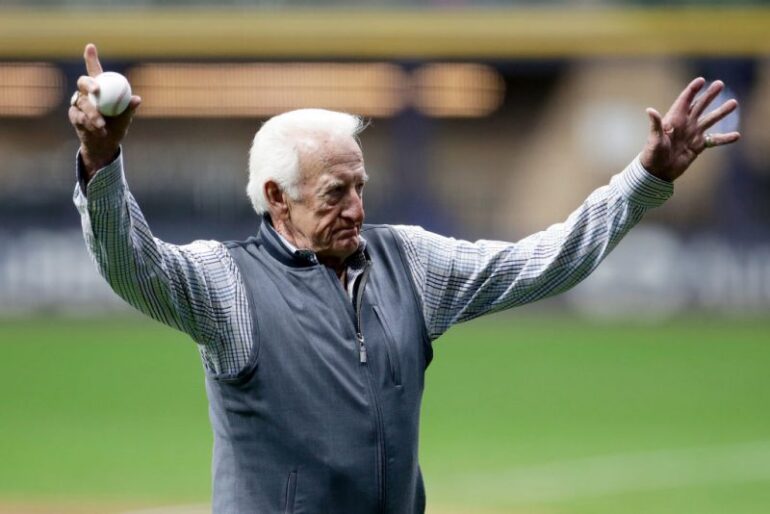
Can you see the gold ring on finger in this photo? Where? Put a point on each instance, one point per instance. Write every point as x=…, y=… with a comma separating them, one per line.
x=74, y=99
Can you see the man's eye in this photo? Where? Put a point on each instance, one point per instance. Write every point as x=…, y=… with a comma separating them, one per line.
x=334, y=193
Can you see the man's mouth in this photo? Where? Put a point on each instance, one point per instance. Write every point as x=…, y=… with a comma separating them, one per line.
x=347, y=232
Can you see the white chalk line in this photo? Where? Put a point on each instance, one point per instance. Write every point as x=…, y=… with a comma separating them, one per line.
x=618, y=474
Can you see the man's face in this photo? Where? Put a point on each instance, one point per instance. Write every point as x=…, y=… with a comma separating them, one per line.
x=328, y=216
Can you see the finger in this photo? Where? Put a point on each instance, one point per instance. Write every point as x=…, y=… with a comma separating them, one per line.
x=84, y=103
x=73, y=113
x=703, y=101
x=84, y=124
x=80, y=120
x=87, y=85
x=724, y=139
x=656, y=122
x=685, y=98
x=91, y=112
x=90, y=55
x=717, y=115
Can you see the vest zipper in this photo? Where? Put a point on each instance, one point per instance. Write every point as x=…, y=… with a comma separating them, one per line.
x=361, y=349
x=359, y=298
x=362, y=358
x=381, y=453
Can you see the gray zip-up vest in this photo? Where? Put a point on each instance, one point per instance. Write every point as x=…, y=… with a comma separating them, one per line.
x=325, y=417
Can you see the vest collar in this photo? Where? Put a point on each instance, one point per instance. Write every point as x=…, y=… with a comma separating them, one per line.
x=274, y=244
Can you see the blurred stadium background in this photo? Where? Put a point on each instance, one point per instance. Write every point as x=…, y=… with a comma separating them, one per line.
x=645, y=389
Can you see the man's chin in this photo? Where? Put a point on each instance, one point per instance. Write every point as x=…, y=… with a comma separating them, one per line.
x=346, y=246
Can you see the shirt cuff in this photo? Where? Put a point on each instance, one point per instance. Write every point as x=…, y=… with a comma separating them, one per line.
x=106, y=184
x=642, y=188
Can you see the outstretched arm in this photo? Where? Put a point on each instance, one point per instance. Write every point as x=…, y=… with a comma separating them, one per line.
x=459, y=280
x=195, y=288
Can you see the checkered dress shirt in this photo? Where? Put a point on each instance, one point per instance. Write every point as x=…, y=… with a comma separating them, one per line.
x=197, y=288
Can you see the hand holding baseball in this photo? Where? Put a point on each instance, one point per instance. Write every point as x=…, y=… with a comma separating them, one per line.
x=100, y=135
x=677, y=138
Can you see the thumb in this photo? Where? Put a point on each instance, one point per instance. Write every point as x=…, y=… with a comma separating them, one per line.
x=128, y=114
x=118, y=125
x=135, y=102
x=656, y=123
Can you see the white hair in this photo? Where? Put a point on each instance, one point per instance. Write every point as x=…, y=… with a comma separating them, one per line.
x=275, y=151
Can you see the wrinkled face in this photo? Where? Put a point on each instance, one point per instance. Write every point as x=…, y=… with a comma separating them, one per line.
x=330, y=211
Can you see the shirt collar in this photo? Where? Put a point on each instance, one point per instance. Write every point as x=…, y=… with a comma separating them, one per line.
x=293, y=249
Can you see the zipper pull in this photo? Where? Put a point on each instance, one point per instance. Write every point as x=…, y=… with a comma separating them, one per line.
x=361, y=348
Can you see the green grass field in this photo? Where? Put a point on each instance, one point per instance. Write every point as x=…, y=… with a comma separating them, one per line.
x=522, y=413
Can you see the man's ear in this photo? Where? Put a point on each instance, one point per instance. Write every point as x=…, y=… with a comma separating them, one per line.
x=276, y=200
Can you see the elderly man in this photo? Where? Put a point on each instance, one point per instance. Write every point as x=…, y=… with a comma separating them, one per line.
x=315, y=333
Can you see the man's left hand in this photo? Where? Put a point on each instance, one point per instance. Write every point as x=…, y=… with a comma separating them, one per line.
x=677, y=138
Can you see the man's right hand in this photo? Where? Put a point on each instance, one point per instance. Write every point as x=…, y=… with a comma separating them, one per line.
x=100, y=136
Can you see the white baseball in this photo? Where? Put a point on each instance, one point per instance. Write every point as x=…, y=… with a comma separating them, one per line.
x=114, y=93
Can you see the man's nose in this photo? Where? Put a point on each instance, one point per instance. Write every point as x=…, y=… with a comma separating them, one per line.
x=354, y=210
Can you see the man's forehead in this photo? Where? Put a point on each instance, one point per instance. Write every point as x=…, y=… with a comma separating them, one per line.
x=341, y=172
x=338, y=158
x=341, y=149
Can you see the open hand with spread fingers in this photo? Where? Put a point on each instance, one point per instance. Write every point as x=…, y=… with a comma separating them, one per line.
x=99, y=136
x=677, y=138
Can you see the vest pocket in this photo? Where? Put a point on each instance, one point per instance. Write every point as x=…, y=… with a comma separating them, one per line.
x=291, y=489
x=390, y=347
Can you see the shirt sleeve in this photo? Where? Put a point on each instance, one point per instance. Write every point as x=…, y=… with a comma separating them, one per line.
x=195, y=288
x=459, y=280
